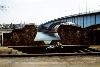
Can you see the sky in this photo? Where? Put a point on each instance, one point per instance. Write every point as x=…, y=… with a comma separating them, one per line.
x=41, y=11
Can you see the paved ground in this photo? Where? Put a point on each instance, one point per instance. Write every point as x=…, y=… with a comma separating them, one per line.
x=53, y=61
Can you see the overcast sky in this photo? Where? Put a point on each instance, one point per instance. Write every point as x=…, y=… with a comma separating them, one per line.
x=41, y=11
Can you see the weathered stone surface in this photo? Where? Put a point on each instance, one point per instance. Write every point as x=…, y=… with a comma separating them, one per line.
x=71, y=35
x=21, y=37
x=93, y=34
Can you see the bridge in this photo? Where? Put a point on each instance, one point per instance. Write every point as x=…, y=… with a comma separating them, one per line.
x=82, y=19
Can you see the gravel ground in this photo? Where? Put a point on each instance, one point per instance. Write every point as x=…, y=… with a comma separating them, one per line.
x=52, y=61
